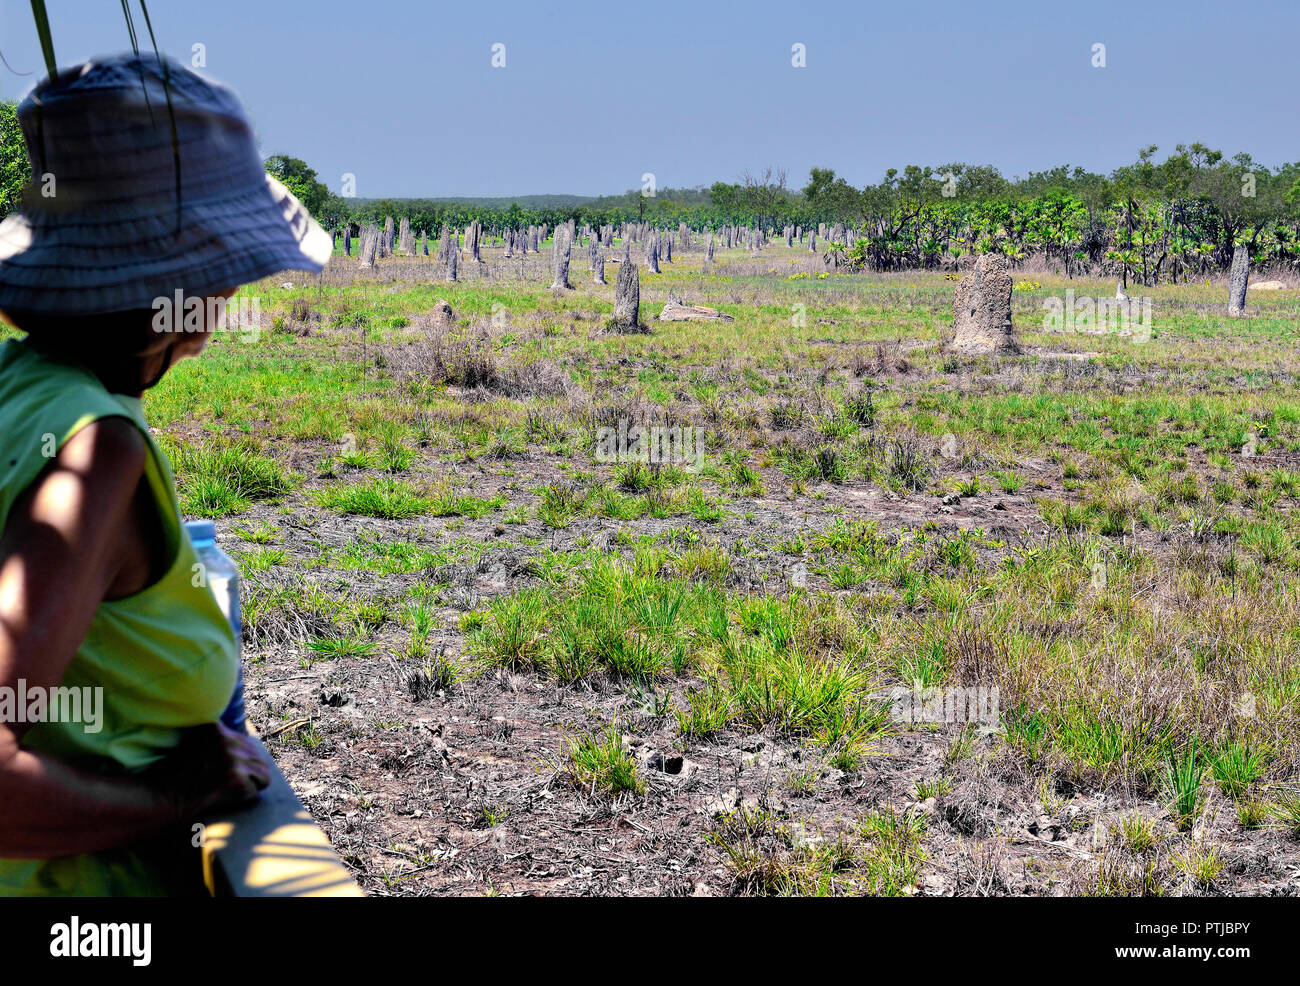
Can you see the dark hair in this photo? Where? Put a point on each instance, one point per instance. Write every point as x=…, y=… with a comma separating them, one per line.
x=86, y=338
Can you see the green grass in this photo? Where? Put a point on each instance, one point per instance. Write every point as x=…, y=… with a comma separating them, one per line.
x=350, y=645
x=1136, y=832
x=769, y=858
x=1236, y=767
x=893, y=855
x=1134, y=462
x=215, y=479
x=261, y=559
x=1284, y=809
x=599, y=763
x=384, y=497
x=1183, y=773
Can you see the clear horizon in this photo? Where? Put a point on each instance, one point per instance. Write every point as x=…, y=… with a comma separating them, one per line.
x=592, y=97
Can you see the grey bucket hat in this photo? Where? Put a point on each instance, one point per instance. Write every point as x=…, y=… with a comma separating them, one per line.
x=126, y=212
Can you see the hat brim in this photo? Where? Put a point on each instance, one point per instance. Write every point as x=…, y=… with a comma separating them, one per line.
x=112, y=257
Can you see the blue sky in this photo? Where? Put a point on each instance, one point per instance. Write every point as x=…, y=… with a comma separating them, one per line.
x=403, y=94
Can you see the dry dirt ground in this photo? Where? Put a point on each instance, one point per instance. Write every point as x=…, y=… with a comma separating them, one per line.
x=439, y=787
x=472, y=798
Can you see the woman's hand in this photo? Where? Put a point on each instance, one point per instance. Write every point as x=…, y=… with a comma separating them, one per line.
x=213, y=767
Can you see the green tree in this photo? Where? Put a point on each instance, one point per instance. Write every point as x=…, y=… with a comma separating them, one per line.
x=763, y=196
x=819, y=179
x=300, y=179
x=15, y=172
x=723, y=195
x=830, y=198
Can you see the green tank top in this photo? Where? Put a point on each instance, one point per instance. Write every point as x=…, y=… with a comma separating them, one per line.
x=165, y=658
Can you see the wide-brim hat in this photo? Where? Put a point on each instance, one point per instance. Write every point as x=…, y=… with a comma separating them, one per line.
x=147, y=181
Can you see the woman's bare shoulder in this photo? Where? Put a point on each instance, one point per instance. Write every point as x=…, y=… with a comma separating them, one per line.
x=90, y=481
x=108, y=448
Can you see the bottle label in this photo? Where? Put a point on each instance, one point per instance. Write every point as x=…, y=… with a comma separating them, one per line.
x=227, y=593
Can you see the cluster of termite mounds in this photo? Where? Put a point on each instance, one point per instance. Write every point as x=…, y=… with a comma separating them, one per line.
x=981, y=306
x=377, y=242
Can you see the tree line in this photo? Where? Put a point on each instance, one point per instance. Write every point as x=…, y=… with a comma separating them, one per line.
x=1151, y=220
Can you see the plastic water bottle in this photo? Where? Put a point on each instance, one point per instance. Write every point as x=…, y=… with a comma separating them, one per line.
x=223, y=578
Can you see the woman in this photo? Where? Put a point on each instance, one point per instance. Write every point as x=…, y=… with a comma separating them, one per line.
x=150, y=183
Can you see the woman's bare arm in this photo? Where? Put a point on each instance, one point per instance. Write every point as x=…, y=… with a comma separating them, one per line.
x=61, y=552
